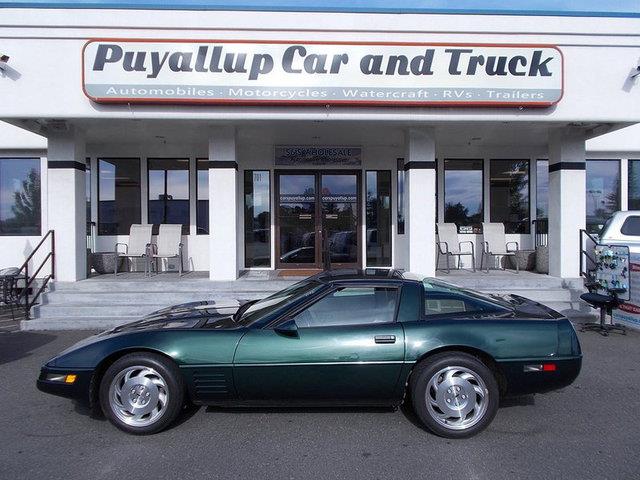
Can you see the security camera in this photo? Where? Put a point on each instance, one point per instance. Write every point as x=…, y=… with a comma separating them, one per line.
x=637, y=72
x=3, y=61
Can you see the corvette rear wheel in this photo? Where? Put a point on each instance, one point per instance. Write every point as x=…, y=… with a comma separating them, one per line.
x=142, y=393
x=455, y=395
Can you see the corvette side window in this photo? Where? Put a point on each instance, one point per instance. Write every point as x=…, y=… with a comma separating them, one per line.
x=442, y=303
x=351, y=306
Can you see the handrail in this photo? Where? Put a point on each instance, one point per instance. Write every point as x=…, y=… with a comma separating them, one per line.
x=28, y=280
x=26, y=262
x=585, y=253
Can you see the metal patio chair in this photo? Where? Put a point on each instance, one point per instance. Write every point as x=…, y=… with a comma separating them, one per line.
x=449, y=245
x=168, y=245
x=138, y=246
x=494, y=244
x=9, y=290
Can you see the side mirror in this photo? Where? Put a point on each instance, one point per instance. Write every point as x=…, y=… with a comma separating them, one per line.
x=287, y=328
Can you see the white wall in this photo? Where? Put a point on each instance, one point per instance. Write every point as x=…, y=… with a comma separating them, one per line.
x=15, y=138
x=622, y=140
x=45, y=48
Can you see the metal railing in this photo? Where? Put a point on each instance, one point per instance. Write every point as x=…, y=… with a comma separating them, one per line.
x=588, y=244
x=91, y=236
x=24, y=298
x=540, y=232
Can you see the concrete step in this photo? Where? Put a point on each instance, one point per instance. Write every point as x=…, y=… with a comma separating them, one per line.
x=75, y=323
x=164, y=286
x=537, y=295
x=106, y=302
x=133, y=297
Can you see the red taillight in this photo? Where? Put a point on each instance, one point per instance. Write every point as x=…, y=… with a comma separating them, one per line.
x=549, y=367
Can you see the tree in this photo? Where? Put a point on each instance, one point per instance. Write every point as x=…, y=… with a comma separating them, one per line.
x=26, y=207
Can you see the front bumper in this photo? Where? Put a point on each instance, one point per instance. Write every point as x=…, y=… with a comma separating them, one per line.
x=78, y=390
x=521, y=382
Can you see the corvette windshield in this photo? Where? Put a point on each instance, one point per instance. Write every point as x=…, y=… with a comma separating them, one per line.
x=278, y=300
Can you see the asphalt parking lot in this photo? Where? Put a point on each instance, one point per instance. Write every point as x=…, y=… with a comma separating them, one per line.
x=590, y=430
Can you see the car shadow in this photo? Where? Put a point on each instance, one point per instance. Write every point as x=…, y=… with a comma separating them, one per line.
x=17, y=345
x=507, y=402
x=298, y=409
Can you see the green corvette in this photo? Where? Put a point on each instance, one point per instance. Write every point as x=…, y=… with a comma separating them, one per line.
x=372, y=337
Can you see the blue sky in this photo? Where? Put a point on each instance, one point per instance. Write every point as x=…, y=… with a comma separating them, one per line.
x=625, y=8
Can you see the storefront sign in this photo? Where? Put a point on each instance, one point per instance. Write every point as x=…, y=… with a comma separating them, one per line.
x=629, y=312
x=225, y=72
x=317, y=156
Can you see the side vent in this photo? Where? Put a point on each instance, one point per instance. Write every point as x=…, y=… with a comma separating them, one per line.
x=210, y=384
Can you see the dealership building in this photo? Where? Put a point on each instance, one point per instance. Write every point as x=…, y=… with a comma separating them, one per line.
x=277, y=135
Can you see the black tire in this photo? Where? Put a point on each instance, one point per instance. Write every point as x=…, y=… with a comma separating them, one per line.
x=486, y=405
x=168, y=375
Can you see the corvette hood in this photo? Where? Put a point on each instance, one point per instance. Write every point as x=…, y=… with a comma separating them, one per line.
x=203, y=314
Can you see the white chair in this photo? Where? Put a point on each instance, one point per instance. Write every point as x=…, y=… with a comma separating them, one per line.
x=168, y=245
x=494, y=244
x=450, y=245
x=138, y=246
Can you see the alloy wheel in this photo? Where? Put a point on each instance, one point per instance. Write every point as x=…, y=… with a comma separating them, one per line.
x=456, y=397
x=138, y=396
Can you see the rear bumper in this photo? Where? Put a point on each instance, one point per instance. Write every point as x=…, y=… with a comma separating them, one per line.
x=520, y=382
x=78, y=390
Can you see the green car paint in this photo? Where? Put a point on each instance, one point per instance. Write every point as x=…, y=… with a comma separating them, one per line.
x=273, y=362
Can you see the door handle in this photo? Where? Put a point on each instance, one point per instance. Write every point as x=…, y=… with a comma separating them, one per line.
x=385, y=338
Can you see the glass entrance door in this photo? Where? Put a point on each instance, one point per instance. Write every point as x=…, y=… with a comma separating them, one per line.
x=339, y=209
x=318, y=212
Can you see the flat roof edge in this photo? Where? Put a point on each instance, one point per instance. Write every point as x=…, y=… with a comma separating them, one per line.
x=198, y=6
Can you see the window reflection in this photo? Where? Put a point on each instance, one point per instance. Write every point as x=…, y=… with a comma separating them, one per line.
x=169, y=192
x=542, y=197
x=603, y=192
x=257, y=219
x=118, y=195
x=378, y=211
x=463, y=204
x=202, y=200
x=509, y=194
x=400, y=213
x=20, y=196
x=634, y=185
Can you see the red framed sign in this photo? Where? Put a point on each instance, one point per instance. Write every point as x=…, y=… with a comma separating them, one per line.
x=327, y=73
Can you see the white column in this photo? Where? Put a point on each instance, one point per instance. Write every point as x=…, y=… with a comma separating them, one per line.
x=567, y=200
x=223, y=169
x=420, y=167
x=67, y=204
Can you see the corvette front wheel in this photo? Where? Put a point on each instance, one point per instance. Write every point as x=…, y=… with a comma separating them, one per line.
x=454, y=394
x=142, y=393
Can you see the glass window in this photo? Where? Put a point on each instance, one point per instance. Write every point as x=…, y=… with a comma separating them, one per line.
x=379, y=218
x=87, y=188
x=202, y=200
x=253, y=312
x=351, y=306
x=542, y=197
x=634, y=185
x=118, y=195
x=20, y=196
x=400, y=213
x=603, y=192
x=463, y=203
x=509, y=194
x=169, y=192
x=441, y=299
x=257, y=219
x=631, y=226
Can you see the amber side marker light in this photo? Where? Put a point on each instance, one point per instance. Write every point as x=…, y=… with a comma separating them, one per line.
x=57, y=377
x=541, y=367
